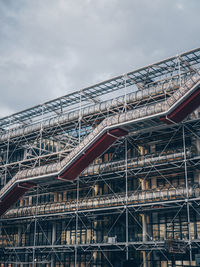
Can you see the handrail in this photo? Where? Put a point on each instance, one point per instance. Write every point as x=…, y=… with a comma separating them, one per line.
x=132, y=98
x=108, y=123
x=149, y=111
x=134, y=197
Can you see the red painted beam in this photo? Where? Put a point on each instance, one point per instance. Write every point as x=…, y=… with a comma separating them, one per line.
x=96, y=149
x=184, y=109
x=15, y=194
x=71, y=173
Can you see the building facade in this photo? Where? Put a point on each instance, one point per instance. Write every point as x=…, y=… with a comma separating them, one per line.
x=108, y=175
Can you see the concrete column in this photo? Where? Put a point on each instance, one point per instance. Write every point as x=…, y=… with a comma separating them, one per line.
x=163, y=264
x=26, y=258
x=196, y=113
x=143, y=184
x=63, y=237
x=94, y=256
x=144, y=239
x=53, y=240
x=144, y=227
x=197, y=144
x=1, y=240
x=52, y=260
x=197, y=177
x=25, y=153
x=94, y=232
x=55, y=197
x=196, y=191
x=153, y=183
x=19, y=235
x=96, y=189
x=53, y=233
x=144, y=257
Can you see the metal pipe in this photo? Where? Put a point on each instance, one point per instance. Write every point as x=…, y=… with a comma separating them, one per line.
x=86, y=111
x=134, y=197
x=119, y=120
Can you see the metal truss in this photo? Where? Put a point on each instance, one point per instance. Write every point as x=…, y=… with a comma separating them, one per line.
x=143, y=77
x=121, y=206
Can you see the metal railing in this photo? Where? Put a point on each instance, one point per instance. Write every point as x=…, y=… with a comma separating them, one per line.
x=109, y=200
x=155, y=109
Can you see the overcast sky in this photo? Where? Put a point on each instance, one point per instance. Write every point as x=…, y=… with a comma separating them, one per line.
x=49, y=48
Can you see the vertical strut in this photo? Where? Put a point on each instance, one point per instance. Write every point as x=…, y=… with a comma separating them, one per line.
x=7, y=155
x=77, y=187
x=187, y=196
x=126, y=199
x=35, y=229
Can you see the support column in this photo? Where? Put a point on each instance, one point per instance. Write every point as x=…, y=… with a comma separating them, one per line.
x=76, y=212
x=19, y=235
x=143, y=183
x=1, y=240
x=197, y=177
x=187, y=197
x=126, y=206
x=144, y=228
x=198, y=145
x=53, y=240
x=96, y=189
x=153, y=183
x=144, y=239
x=163, y=263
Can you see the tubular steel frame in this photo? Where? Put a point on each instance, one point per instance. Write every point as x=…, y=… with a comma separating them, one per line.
x=68, y=136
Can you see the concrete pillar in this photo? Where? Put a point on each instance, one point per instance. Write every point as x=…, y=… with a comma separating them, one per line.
x=196, y=113
x=96, y=189
x=163, y=263
x=58, y=146
x=53, y=240
x=144, y=227
x=144, y=257
x=94, y=257
x=197, y=177
x=55, y=197
x=26, y=258
x=52, y=260
x=25, y=153
x=197, y=143
x=144, y=239
x=63, y=237
x=64, y=196
x=154, y=183
x=53, y=233
x=94, y=238
x=1, y=240
x=19, y=235
x=196, y=191
x=143, y=184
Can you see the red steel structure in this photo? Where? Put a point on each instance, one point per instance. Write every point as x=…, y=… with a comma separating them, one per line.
x=96, y=149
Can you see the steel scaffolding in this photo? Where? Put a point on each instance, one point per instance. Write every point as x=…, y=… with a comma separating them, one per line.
x=140, y=191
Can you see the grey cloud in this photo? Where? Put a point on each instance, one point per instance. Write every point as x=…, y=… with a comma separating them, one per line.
x=49, y=48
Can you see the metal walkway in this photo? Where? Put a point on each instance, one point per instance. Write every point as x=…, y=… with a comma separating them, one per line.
x=171, y=110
